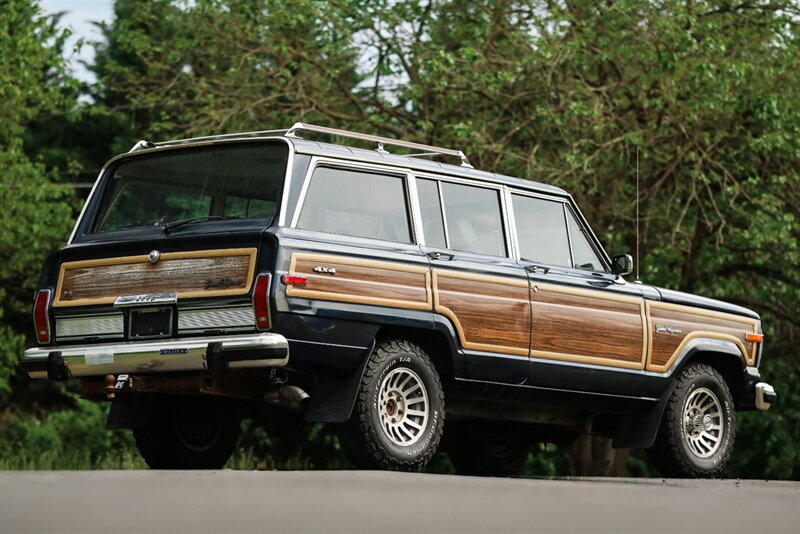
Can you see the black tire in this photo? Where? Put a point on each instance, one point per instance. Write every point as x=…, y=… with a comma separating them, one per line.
x=188, y=433
x=481, y=452
x=683, y=439
x=370, y=438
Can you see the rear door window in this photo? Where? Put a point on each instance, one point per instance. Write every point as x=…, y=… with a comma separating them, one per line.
x=357, y=203
x=474, y=219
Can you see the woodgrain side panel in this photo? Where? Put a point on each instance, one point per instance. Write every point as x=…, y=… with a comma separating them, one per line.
x=490, y=313
x=687, y=323
x=588, y=326
x=359, y=281
x=190, y=274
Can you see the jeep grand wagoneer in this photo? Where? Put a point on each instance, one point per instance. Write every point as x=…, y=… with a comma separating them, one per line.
x=263, y=274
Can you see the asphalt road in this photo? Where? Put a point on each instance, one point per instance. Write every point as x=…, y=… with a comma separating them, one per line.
x=349, y=501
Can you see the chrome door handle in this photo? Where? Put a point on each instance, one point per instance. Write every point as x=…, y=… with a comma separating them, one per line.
x=534, y=268
x=434, y=255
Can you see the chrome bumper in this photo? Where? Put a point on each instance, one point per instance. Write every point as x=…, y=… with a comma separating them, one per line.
x=765, y=396
x=161, y=356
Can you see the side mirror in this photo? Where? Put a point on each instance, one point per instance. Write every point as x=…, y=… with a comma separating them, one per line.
x=622, y=264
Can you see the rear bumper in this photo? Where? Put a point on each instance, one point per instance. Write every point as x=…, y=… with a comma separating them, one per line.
x=159, y=356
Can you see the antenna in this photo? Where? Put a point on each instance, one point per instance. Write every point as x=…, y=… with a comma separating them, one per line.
x=638, y=281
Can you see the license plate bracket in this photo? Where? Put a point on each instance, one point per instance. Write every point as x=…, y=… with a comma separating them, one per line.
x=150, y=323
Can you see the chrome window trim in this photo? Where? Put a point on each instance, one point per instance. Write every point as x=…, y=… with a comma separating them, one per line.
x=512, y=223
x=444, y=214
x=337, y=163
x=416, y=210
x=569, y=237
x=287, y=183
x=87, y=202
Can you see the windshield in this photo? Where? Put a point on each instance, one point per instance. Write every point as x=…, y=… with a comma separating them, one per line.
x=208, y=184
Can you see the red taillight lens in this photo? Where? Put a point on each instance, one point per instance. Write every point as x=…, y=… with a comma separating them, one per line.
x=41, y=316
x=292, y=280
x=261, y=301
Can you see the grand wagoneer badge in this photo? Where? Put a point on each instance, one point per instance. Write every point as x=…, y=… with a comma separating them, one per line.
x=223, y=282
x=662, y=329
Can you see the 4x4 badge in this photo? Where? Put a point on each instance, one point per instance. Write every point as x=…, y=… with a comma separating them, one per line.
x=325, y=270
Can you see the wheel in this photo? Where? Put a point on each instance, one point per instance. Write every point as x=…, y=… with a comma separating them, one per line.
x=484, y=453
x=698, y=427
x=188, y=434
x=398, y=416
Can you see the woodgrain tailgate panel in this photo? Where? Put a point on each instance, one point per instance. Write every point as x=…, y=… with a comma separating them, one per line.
x=230, y=272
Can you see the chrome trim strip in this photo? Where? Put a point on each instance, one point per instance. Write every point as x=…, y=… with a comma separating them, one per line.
x=287, y=182
x=86, y=203
x=146, y=299
x=158, y=356
x=215, y=318
x=78, y=326
x=416, y=212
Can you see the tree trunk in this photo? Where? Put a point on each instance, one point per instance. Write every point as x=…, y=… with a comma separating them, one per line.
x=594, y=456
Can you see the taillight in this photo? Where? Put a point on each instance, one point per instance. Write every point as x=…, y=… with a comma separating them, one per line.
x=261, y=301
x=41, y=316
x=294, y=280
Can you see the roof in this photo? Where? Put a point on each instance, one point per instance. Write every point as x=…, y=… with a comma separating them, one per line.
x=380, y=155
x=317, y=148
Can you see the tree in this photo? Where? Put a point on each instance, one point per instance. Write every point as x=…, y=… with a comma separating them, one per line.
x=36, y=215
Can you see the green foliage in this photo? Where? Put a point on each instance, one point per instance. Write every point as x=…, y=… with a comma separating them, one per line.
x=36, y=215
x=70, y=438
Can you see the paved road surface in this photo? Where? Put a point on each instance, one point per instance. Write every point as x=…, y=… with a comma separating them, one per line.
x=348, y=501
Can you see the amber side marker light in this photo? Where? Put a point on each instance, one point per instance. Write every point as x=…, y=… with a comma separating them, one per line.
x=755, y=338
x=41, y=316
x=261, y=301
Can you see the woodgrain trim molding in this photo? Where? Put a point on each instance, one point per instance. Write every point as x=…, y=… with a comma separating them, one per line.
x=607, y=362
x=749, y=357
x=444, y=310
x=126, y=260
x=597, y=294
x=301, y=292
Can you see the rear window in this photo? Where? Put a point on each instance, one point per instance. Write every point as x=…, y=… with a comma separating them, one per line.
x=231, y=181
x=356, y=203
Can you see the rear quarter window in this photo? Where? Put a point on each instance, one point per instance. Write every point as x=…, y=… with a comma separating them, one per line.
x=356, y=203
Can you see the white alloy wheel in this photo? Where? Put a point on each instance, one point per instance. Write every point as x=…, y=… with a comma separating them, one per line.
x=703, y=422
x=403, y=406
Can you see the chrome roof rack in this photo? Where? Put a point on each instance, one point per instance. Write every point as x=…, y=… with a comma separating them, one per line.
x=382, y=142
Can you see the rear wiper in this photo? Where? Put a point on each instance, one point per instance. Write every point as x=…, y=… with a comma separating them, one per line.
x=183, y=222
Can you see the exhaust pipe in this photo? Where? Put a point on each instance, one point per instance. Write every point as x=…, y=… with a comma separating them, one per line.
x=291, y=397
